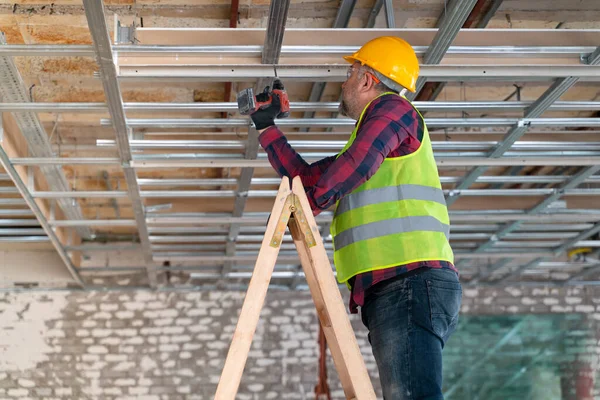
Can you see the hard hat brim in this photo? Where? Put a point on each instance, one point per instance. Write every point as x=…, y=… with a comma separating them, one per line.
x=350, y=59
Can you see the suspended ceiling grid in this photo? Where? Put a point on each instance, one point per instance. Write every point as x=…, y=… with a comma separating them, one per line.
x=165, y=184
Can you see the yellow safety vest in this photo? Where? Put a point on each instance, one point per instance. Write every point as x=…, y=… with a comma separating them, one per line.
x=398, y=216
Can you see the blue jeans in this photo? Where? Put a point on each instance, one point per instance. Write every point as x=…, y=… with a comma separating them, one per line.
x=409, y=321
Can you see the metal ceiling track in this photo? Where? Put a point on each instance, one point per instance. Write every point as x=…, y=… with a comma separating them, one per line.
x=337, y=73
x=278, y=12
x=208, y=107
x=449, y=27
x=270, y=193
x=522, y=123
x=538, y=147
x=315, y=42
x=13, y=89
x=238, y=51
x=533, y=112
x=318, y=88
x=536, y=54
x=94, y=10
x=210, y=161
x=22, y=187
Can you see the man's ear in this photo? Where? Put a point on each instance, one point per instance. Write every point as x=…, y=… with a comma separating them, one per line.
x=368, y=83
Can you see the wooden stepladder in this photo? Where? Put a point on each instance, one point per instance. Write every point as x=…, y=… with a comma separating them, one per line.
x=292, y=210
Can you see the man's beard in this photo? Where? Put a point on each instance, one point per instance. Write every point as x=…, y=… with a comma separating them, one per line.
x=343, y=108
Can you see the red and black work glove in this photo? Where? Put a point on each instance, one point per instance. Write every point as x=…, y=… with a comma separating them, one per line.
x=265, y=117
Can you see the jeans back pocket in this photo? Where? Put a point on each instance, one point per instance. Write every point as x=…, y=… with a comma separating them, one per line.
x=444, y=301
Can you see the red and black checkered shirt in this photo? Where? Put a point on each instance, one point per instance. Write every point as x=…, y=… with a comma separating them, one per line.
x=391, y=127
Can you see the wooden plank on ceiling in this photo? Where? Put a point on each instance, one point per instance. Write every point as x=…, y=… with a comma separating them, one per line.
x=356, y=37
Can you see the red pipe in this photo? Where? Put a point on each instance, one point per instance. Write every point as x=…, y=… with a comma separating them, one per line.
x=322, y=388
x=233, y=19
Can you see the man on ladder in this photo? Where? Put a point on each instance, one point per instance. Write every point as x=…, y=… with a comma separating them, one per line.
x=391, y=226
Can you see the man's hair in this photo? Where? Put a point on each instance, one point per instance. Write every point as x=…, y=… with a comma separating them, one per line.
x=385, y=84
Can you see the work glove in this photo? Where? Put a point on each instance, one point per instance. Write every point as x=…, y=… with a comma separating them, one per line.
x=264, y=118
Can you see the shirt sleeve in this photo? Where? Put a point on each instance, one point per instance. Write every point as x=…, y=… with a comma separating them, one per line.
x=376, y=138
x=287, y=162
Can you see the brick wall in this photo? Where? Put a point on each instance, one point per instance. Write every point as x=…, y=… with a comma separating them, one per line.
x=172, y=345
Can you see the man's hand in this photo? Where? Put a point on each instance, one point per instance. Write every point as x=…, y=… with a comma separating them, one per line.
x=264, y=118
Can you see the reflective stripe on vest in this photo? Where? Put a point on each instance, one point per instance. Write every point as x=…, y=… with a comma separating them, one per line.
x=389, y=227
x=390, y=193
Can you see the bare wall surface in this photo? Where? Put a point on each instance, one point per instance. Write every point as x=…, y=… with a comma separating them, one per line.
x=37, y=266
x=172, y=345
x=153, y=345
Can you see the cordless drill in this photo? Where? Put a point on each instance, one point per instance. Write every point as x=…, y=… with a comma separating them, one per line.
x=248, y=104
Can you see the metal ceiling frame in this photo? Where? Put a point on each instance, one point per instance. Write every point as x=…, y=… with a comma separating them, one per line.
x=199, y=160
x=317, y=51
x=390, y=18
x=239, y=233
x=337, y=73
x=522, y=123
x=433, y=106
x=94, y=11
x=555, y=193
x=318, y=88
x=449, y=27
x=485, y=20
x=12, y=88
x=432, y=90
x=535, y=110
x=22, y=187
x=278, y=12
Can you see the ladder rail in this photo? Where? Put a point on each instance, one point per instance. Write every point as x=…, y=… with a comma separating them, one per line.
x=237, y=355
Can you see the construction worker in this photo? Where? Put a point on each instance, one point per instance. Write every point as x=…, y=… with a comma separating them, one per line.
x=390, y=227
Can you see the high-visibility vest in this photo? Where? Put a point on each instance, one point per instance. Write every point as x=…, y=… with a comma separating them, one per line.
x=398, y=216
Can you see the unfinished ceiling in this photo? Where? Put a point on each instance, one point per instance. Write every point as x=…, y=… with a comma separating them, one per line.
x=124, y=151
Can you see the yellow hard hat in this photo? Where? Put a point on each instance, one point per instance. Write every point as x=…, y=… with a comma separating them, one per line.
x=392, y=57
